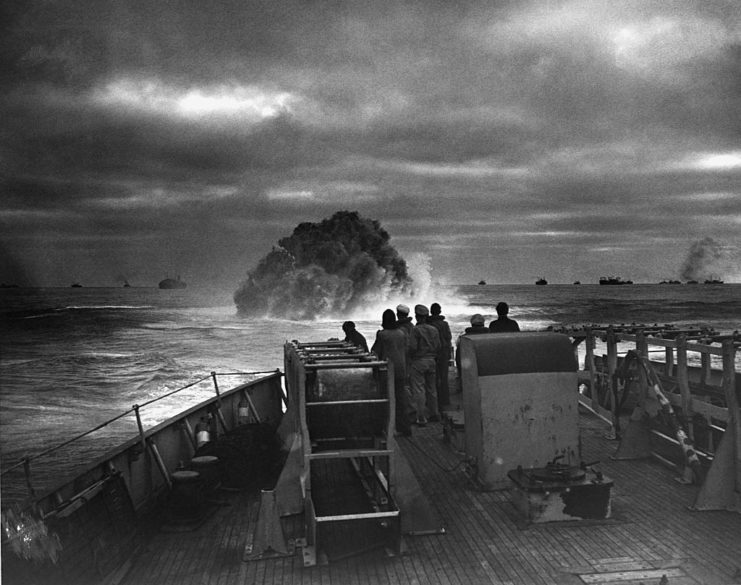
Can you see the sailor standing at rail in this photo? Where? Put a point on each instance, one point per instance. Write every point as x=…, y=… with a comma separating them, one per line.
x=403, y=320
x=478, y=327
x=404, y=323
x=437, y=320
x=391, y=344
x=354, y=336
x=503, y=324
x=424, y=347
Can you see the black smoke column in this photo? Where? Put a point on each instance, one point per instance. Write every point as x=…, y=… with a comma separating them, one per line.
x=325, y=268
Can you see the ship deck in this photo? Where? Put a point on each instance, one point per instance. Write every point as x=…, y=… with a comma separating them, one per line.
x=652, y=534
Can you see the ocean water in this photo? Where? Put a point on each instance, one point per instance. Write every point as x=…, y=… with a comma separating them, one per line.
x=73, y=358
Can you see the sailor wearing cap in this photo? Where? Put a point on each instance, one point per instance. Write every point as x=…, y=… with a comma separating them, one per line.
x=477, y=325
x=424, y=345
x=403, y=320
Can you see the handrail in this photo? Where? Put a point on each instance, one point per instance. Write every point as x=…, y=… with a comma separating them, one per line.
x=195, y=383
x=690, y=384
x=656, y=332
x=26, y=460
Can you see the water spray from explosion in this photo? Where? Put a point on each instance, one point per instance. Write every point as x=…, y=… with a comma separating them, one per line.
x=328, y=268
x=708, y=258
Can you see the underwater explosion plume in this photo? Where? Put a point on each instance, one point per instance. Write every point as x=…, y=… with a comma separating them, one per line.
x=706, y=258
x=330, y=267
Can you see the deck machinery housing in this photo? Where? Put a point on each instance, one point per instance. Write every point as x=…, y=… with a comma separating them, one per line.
x=343, y=401
x=521, y=425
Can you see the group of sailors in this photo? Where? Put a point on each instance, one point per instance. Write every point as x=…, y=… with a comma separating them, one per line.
x=420, y=352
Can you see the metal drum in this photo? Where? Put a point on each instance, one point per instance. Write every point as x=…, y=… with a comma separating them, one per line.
x=209, y=468
x=187, y=493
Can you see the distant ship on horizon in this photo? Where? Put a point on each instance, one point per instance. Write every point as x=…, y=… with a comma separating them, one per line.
x=610, y=280
x=541, y=281
x=170, y=283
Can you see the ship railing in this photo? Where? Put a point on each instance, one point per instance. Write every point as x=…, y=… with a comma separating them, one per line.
x=26, y=461
x=697, y=371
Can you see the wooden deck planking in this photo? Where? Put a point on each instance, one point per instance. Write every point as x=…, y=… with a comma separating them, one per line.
x=468, y=550
x=652, y=529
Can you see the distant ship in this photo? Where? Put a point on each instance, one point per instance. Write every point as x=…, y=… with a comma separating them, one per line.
x=577, y=282
x=670, y=282
x=613, y=280
x=126, y=284
x=172, y=283
x=482, y=282
x=691, y=282
x=541, y=280
x=713, y=280
x=76, y=285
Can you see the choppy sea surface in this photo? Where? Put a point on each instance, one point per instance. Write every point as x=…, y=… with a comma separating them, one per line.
x=73, y=358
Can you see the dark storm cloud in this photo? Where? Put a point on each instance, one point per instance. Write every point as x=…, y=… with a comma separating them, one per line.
x=443, y=120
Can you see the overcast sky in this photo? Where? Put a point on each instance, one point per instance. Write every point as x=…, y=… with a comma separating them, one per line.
x=504, y=140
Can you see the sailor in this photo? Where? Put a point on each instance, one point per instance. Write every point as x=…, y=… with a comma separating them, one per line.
x=404, y=323
x=354, y=336
x=446, y=353
x=391, y=344
x=424, y=346
x=478, y=326
x=503, y=324
x=403, y=320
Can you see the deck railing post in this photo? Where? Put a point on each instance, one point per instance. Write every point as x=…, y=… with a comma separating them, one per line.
x=612, y=363
x=729, y=389
x=140, y=426
x=219, y=413
x=147, y=454
x=705, y=367
x=722, y=487
x=590, y=367
x=641, y=344
x=253, y=409
x=160, y=463
x=668, y=360
x=187, y=430
x=684, y=385
x=27, y=473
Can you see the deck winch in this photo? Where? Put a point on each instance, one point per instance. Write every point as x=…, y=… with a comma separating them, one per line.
x=559, y=491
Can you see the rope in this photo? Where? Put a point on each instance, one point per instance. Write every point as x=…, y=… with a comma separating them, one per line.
x=654, y=385
x=686, y=443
